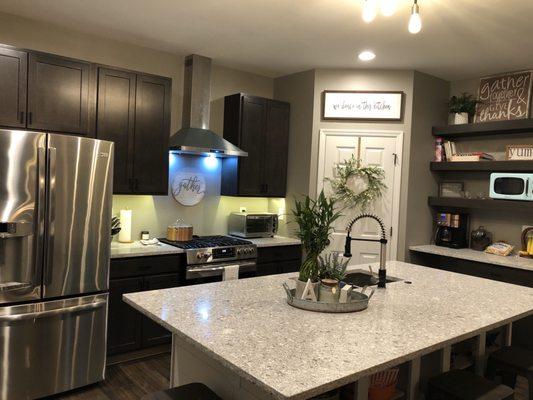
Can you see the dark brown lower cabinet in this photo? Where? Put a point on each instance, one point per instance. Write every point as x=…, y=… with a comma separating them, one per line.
x=152, y=333
x=128, y=329
x=124, y=323
x=278, y=260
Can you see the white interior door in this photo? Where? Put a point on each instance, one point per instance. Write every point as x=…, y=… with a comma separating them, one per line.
x=380, y=149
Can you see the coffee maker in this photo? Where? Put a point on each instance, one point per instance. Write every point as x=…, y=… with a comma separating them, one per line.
x=452, y=230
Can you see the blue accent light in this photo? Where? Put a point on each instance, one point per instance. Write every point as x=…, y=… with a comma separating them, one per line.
x=211, y=162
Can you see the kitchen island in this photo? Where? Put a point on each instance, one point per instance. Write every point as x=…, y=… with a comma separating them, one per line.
x=244, y=341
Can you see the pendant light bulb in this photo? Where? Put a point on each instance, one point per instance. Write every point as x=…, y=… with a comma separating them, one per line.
x=387, y=7
x=369, y=10
x=415, y=22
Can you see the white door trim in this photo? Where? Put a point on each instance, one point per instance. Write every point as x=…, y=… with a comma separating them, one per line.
x=324, y=133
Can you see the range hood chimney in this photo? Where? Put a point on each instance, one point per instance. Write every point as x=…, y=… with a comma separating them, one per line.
x=195, y=137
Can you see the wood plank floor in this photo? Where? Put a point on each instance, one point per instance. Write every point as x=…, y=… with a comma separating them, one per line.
x=128, y=381
x=133, y=379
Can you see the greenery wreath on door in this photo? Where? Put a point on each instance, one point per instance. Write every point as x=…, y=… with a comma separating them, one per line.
x=352, y=168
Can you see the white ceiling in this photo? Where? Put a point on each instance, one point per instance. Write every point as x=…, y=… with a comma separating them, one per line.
x=460, y=38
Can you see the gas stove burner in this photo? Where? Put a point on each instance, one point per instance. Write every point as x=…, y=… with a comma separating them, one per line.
x=201, y=242
x=215, y=249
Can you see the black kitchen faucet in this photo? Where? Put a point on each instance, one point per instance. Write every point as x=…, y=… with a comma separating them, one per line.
x=383, y=249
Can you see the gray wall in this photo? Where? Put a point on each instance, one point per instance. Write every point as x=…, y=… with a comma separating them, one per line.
x=430, y=97
x=504, y=225
x=298, y=90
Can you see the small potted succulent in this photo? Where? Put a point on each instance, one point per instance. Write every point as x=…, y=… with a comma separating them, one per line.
x=315, y=220
x=463, y=107
x=331, y=270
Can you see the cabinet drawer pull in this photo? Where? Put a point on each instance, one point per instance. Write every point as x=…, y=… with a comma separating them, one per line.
x=30, y=118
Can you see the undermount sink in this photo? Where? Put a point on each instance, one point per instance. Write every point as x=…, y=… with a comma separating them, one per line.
x=363, y=278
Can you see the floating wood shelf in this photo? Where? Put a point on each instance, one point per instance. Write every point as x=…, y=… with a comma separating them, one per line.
x=484, y=128
x=480, y=204
x=483, y=166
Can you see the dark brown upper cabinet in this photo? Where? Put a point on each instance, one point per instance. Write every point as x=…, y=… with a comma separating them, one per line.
x=13, y=81
x=116, y=121
x=134, y=113
x=61, y=94
x=260, y=127
x=152, y=130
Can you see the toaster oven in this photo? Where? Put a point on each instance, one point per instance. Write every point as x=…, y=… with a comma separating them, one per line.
x=253, y=225
x=511, y=186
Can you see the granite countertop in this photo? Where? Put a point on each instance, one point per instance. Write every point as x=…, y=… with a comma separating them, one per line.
x=137, y=249
x=512, y=261
x=275, y=241
x=295, y=354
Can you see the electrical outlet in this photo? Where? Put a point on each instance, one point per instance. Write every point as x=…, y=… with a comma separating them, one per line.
x=242, y=209
x=281, y=213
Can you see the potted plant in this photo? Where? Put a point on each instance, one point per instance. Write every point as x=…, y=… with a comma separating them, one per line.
x=331, y=270
x=463, y=107
x=315, y=219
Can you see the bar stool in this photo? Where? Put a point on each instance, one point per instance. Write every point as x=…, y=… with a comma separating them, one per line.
x=463, y=385
x=192, y=391
x=510, y=361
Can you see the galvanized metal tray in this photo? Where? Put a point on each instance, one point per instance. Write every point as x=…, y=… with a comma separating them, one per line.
x=358, y=302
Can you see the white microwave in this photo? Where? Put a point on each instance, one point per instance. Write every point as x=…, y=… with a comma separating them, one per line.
x=511, y=186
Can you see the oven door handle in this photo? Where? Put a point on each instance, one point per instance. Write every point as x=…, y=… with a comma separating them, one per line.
x=221, y=267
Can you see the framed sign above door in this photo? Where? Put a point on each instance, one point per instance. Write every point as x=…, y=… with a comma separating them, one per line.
x=362, y=105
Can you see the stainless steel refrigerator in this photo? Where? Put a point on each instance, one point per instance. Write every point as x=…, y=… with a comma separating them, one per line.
x=55, y=216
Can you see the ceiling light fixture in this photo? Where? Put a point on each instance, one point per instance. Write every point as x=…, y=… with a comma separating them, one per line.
x=370, y=10
x=415, y=22
x=387, y=7
x=366, y=55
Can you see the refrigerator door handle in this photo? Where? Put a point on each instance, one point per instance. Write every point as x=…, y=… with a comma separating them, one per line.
x=53, y=313
x=41, y=201
x=50, y=230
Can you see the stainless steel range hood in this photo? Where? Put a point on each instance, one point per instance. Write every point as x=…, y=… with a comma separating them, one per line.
x=195, y=137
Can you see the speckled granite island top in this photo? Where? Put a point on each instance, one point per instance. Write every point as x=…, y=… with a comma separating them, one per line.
x=293, y=354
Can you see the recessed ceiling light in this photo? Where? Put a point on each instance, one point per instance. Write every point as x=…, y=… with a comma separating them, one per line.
x=366, y=55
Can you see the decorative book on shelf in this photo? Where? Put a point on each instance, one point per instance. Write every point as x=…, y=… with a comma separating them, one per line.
x=452, y=154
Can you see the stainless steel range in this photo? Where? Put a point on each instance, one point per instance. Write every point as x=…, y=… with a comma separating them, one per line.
x=208, y=256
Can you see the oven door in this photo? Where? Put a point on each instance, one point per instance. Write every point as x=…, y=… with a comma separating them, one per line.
x=206, y=273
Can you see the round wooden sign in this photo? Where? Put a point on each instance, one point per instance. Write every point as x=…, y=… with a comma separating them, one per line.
x=188, y=188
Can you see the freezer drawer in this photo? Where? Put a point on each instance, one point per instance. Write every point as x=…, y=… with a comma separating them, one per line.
x=50, y=347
